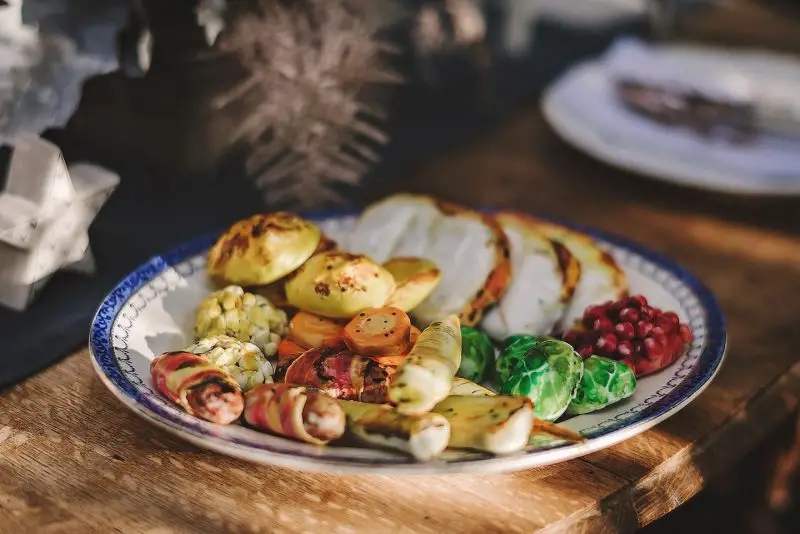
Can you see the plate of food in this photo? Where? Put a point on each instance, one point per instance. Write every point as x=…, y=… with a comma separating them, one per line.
x=696, y=116
x=417, y=336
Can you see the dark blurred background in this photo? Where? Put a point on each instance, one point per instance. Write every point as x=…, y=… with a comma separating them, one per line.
x=158, y=129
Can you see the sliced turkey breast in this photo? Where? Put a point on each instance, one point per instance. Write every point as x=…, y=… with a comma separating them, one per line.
x=543, y=281
x=601, y=278
x=468, y=247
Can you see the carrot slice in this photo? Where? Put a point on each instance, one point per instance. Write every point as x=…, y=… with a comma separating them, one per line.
x=312, y=331
x=288, y=349
x=378, y=332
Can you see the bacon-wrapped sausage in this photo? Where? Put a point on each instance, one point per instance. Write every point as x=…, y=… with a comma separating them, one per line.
x=339, y=373
x=197, y=386
x=294, y=412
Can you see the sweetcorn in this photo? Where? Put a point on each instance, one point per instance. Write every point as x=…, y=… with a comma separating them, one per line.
x=244, y=361
x=244, y=316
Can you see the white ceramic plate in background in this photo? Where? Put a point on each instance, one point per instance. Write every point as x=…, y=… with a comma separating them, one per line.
x=582, y=108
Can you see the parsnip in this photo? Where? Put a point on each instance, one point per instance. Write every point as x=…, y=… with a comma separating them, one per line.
x=464, y=387
x=496, y=424
x=423, y=436
x=426, y=376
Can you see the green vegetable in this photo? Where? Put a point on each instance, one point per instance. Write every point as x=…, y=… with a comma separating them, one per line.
x=543, y=369
x=604, y=382
x=477, y=354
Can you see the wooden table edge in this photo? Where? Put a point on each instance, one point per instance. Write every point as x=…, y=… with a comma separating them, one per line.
x=683, y=475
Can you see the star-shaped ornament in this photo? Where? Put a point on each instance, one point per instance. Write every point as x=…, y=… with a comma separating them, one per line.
x=45, y=212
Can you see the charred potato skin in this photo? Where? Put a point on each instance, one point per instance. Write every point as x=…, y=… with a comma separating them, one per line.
x=416, y=279
x=339, y=285
x=254, y=251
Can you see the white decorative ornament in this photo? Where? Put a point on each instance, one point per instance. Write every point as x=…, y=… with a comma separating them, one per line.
x=211, y=16
x=45, y=213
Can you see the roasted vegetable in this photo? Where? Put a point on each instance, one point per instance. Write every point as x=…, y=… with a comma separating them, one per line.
x=262, y=249
x=496, y=424
x=243, y=361
x=339, y=373
x=423, y=436
x=289, y=349
x=468, y=388
x=416, y=278
x=295, y=412
x=339, y=285
x=413, y=337
x=544, y=369
x=389, y=361
x=275, y=293
x=543, y=431
x=198, y=386
x=425, y=377
x=312, y=331
x=604, y=382
x=378, y=332
x=477, y=354
x=244, y=316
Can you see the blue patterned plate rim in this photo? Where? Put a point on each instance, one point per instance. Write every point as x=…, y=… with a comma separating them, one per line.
x=201, y=432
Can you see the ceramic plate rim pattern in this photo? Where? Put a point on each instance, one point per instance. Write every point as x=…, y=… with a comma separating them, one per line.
x=656, y=164
x=200, y=433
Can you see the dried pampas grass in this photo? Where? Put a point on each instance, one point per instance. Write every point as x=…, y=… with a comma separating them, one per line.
x=313, y=118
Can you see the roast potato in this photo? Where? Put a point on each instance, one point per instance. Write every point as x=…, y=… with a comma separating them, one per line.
x=416, y=278
x=262, y=249
x=339, y=285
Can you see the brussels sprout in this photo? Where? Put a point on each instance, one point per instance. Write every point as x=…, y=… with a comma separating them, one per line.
x=477, y=354
x=604, y=382
x=544, y=369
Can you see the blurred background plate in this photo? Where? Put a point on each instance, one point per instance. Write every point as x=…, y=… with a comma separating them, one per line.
x=583, y=109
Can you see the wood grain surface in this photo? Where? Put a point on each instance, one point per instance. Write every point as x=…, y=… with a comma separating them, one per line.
x=73, y=459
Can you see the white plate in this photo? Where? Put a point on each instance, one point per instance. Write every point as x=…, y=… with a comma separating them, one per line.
x=152, y=311
x=582, y=108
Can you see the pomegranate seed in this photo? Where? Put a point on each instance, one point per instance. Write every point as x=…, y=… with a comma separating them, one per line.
x=625, y=330
x=686, y=333
x=653, y=349
x=614, y=309
x=606, y=344
x=637, y=301
x=643, y=328
x=628, y=314
x=603, y=324
x=625, y=349
x=593, y=313
x=666, y=324
x=670, y=317
x=658, y=334
x=632, y=331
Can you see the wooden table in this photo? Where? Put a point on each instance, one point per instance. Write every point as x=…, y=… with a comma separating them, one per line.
x=73, y=459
